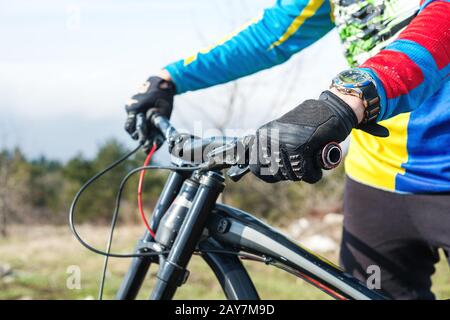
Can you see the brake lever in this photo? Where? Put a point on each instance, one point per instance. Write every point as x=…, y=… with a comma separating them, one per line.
x=241, y=168
x=237, y=172
x=224, y=155
x=233, y=153
x=144, y=138
x=141, y=128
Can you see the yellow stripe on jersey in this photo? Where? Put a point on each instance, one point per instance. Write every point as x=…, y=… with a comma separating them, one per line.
x=376, y=161
x=308, y=11
x=331, y=11
x=221, y=41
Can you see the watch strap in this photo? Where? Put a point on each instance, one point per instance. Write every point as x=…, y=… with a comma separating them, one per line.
x=371, y=102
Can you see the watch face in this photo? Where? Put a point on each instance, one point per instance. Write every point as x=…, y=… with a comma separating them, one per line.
x=353, y=78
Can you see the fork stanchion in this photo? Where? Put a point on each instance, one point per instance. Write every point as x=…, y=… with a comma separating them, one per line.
x=172, y=272
x=139, y=266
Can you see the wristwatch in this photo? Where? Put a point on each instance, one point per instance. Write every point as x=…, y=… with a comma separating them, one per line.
x=358, y=83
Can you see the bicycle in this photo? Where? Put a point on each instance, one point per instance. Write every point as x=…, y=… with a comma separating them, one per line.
x=187, y=220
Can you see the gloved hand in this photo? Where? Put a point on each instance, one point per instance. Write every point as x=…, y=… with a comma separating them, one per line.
x=287, y=148
x=155, y=94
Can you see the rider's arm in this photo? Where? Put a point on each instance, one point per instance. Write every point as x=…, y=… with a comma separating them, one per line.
x=282, y=30
x=413, y=67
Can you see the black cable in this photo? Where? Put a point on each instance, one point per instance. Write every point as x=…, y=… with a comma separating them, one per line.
x=236, y=253
x=98, y=175
x=107, y=253
x=77, y=197
x=110, y=238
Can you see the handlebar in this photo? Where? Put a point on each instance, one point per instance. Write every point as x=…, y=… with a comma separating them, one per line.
x=187, y=146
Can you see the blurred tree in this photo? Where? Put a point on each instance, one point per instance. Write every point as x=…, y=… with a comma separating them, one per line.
x=284, y=201
x=42, y=190
x=15, y=173
x=98, y=201
x=45, y=184
x=5, y=173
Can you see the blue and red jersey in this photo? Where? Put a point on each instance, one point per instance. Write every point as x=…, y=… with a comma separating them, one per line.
x=411, y=71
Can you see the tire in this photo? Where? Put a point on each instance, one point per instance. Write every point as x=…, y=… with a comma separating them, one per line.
x=231, y=274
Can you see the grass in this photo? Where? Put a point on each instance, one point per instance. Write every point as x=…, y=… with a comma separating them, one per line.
x=40, y=258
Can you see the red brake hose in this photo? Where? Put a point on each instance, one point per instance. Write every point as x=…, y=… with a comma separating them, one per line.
x=140, y=185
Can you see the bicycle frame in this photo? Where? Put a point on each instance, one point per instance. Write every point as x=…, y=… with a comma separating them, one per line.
x=213, y=227
x=244, y=232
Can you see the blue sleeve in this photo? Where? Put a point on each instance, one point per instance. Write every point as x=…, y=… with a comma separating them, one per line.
x=282, y=30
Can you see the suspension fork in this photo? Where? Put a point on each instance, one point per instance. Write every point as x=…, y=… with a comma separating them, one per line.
x=139, y=266
x=172, y=272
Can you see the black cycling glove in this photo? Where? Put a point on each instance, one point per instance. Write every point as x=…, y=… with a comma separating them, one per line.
x=287, y=148
x=155, y=94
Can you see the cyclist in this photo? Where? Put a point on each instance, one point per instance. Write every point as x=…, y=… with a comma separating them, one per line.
x=394, y=101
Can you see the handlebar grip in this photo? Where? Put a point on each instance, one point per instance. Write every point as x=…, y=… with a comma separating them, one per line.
x=163, y=124
x=330, y=156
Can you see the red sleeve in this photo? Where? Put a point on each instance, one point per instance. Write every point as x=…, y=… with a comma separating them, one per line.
x=416, y=64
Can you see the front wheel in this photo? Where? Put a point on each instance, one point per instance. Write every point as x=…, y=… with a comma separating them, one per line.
x=231, y=274
x=228, y=269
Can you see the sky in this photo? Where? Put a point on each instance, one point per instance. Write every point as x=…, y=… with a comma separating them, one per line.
x=67, y=67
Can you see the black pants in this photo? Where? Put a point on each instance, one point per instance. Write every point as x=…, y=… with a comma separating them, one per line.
x=398, y=233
